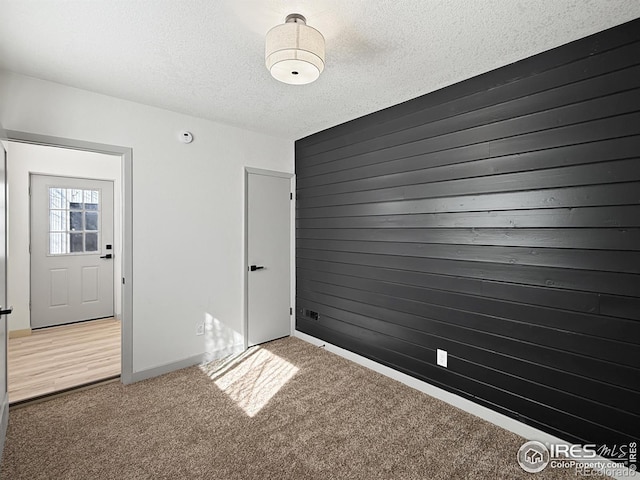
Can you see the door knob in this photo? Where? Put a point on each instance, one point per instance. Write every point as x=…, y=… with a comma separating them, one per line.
x=108, y=255
x=6, y=311
x=253, y=268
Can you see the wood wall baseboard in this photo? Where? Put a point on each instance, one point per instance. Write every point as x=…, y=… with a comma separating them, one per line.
x=20, y=333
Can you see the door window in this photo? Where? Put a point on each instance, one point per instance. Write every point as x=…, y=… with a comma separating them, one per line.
x=74, y=221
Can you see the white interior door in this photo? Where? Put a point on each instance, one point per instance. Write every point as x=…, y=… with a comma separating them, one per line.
x=4, y=311
x=269, y=257
x=71, y=250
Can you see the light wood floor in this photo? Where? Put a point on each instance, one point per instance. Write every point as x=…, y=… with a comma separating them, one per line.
x=56, y=358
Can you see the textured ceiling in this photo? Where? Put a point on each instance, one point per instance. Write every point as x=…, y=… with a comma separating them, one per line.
x=206, y=57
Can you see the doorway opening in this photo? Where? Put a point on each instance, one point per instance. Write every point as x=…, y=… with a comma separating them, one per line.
x=65, y=313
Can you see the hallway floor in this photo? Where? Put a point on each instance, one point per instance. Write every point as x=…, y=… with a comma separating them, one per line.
x=57, y=358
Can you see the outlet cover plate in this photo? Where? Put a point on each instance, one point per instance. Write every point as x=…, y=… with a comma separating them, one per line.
x=200, y=328
x=442, y=358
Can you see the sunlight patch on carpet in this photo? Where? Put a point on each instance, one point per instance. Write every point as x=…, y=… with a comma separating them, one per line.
x=252, y=378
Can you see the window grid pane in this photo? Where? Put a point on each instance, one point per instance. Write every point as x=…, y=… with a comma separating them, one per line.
x=58, y=220
x=74, y=221
x=91, y=242
x=76, y=242
x=57, y=243
x=91, y=221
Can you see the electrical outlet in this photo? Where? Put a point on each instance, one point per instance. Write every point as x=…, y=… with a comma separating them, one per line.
x=442, y=358
x=311, y=314
x=200, y=328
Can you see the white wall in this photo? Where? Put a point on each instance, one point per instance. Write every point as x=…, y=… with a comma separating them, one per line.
x=23, y=159
x=188, y=210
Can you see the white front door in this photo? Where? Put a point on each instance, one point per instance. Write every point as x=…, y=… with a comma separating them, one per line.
x=71, y=250
x=269, y=256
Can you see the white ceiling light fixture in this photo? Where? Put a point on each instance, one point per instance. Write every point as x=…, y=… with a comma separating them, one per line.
x=294, y=51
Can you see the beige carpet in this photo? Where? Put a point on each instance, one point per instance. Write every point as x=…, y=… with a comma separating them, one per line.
x=286, y=410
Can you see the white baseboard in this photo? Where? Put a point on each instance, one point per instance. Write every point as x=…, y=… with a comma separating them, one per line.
x=223, y=352
x=166, y=368
x=498, y=419
x=187, y=362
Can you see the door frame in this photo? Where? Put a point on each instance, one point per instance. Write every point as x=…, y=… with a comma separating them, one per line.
x=126, y=260
x=292, y=250
x=4, y=395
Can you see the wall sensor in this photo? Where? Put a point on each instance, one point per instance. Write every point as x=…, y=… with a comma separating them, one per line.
x=185, y=137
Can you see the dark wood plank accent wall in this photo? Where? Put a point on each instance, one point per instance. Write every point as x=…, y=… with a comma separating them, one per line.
x=497, y=219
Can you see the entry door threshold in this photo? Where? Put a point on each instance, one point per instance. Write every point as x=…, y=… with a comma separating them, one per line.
x=60, y=393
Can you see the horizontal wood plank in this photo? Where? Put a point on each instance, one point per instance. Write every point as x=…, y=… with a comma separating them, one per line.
x=413, y=171
x=499, y=310
x=497, y=143
x=544, y=296
x=580, y=217
x=532, y=111
x=621, y=239
x=584, y=196
x=587, y=281
x=600, y=260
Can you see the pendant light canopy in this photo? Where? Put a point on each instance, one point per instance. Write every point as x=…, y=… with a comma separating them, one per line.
x=294, y=51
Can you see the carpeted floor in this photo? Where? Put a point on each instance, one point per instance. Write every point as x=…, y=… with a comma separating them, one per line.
x=286, y=410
